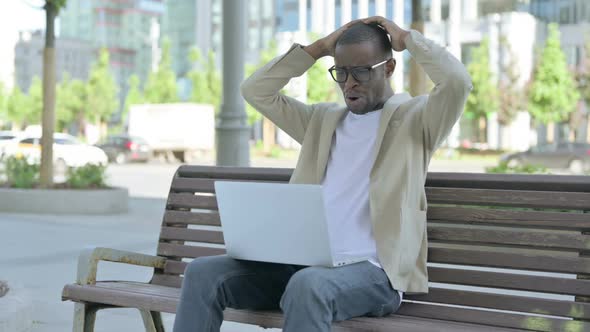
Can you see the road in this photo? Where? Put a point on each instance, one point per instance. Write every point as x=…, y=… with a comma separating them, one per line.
x=39, y=252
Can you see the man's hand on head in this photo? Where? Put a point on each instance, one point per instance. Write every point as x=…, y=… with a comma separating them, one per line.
x=325, y=46
x=396, y=34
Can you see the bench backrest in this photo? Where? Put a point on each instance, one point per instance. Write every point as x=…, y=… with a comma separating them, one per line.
x=504, y=250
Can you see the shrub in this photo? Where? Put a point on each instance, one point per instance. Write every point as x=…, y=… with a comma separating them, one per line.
x=20, y=173
x=87, y=176
x=526, y=169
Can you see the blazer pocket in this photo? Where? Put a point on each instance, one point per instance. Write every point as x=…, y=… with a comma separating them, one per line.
x=413, y=228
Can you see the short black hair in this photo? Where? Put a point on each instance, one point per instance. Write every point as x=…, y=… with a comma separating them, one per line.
x=361, y=32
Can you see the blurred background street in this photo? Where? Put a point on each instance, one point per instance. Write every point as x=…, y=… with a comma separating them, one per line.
x=97, y=94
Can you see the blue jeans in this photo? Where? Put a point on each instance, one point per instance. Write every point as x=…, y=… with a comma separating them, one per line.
x=310, y=297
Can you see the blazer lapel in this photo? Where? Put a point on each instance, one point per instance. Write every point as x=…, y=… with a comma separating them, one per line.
x=388, y=110
x=330, y=122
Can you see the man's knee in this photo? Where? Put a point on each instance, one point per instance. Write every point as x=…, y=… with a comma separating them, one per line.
x=205, y=269
x=308, y=287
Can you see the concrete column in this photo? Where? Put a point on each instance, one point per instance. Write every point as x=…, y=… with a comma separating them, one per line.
x=232, y=129
x=302, y=15
x=454, y=30
x=435, y=11
x=398, y=74
x=469, y=10
x=317, y=16
x=346, y=11
x=330, y=16
x=381, y=8
x=363, y=8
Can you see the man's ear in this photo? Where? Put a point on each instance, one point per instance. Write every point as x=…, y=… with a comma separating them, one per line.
x=390, y=67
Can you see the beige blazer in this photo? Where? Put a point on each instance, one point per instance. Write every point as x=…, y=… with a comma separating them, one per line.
x=409, y=132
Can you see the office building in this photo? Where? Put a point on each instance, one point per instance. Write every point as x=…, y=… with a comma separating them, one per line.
x=73, y=57
x=128, y=29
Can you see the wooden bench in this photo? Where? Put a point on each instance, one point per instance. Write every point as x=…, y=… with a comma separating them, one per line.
x=506, y=253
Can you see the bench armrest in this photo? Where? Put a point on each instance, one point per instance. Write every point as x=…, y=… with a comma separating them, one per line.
x=89, y=258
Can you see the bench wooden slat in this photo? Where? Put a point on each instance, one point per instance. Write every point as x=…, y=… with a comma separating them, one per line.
x=500, y=319
x=103, y=293
x=505, y=302
x=399, y=323
x=195, y=185
x=523, y=261
x=235, y=173
x=190, y=201
x=167, y=280
x=540, y=219
x=545, y=182
x=539, y=239
x=192, y=218
x=178, y=250
x=503, y=280
x=495, y=197
x=165, y=299
x=175, y=267
x=194, y=235
x=510, y=281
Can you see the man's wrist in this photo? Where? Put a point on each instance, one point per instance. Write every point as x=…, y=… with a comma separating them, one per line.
x=316, y=50
x=404, y=36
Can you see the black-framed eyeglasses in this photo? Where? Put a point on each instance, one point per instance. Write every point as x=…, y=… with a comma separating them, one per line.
x=360, y=74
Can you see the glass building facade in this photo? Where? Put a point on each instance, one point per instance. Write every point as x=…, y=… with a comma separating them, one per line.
x=124, y=27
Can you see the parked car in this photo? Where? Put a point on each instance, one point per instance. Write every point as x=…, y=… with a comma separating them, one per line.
x=68, y=151
x=124, y=148
x=5, y=138
x=572, y=156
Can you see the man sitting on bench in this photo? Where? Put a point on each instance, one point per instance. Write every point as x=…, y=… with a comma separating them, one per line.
x=371, y=158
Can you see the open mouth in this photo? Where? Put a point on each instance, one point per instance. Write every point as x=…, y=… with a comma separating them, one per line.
x=353, y=98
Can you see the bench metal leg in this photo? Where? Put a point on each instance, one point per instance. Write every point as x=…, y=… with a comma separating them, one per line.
x=152, y=320
x=84, y=317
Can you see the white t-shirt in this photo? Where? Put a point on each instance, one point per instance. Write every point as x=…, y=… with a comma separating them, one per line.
x=346, y=186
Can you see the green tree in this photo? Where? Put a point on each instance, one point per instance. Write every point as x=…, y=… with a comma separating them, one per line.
x=205, y=79
x=101, y=91
x=483, y=99
x=33, y=114
x=512, y=97
x=3, y=99
x=320, y=87
x=161, y=84
x=16, y=104
x=71, y=103
x=553, y=94
x=134, y=97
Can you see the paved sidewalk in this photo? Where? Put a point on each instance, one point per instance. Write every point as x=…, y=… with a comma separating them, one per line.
x=40, y=253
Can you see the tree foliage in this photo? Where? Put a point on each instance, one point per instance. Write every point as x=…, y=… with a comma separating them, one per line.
x=320, y=87
x=102, y=91
x=3, y=100
x=583, y=76
x=205, y=79
x=161, y=84
x=483, y=99
x=511, y=96
x=16, y=104
x=33, y=113
x=71, y=102
x=134, y=96
x=553, y=94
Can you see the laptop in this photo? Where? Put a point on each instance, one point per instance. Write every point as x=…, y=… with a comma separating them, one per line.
x=277, y=223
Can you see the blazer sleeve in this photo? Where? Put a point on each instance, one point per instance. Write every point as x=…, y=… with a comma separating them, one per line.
x=262, y=91
x=452, y=85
